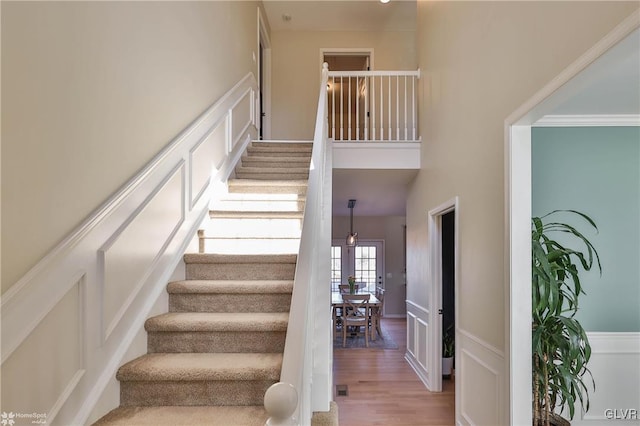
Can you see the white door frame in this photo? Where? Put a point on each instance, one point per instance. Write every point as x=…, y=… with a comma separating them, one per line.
x=347, y=51
x=435, y=296
x=517, y=274
x=263, y=37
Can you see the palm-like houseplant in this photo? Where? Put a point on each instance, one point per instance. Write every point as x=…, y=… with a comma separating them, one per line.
x=560, y=345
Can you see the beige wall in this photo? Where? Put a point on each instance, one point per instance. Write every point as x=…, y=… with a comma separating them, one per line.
x=389, y=229
x=296, y=71
x=91, y=92
x=480, y=61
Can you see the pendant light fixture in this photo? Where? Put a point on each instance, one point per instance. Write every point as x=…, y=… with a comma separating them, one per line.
x=352, y=238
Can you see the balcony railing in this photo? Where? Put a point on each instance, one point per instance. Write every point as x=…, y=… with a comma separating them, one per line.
x=373, y=106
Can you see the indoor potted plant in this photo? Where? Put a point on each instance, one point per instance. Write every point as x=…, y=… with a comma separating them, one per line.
x=448, y=351
x=560, y=348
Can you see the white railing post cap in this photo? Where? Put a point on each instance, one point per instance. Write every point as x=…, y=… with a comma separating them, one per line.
x=280, y=402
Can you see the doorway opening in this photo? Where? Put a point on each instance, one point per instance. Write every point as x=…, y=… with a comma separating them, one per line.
x=348, y=100
x=443, y=315
x=264, y=80
x=583, y=73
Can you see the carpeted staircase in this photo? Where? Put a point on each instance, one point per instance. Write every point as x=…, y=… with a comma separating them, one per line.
x=214, y=354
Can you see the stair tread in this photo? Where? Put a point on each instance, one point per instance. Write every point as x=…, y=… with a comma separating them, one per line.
x=230, y=286
x=251, y=415
x=206, y=321
x=257, y=214
x=275, y=182
x=239, y=258
x=202, y=367
x=258, y=169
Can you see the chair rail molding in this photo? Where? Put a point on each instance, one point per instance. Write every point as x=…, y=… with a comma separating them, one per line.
x=154, y=216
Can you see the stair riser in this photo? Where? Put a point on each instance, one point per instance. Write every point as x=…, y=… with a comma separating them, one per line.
x=272, y=176
x=259, y=189
x=229, y=303
x=275, y=163
x=220, y=341
x=280, y=145
x=253, y=228
x=260, y=206
x=262, y=152
x=223, y=392
x=272, y=170
x=240, y=271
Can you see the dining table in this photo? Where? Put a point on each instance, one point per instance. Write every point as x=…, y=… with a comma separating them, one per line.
x=338, y=304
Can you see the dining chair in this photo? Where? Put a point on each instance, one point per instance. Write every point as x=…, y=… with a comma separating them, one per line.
x=355, y=314
x=344, y=288
x=376, y=311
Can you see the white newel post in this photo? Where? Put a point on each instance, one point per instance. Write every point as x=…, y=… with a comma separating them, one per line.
x=280, y=401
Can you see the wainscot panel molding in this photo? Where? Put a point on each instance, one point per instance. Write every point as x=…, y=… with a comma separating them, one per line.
x=479, y=366
x=418, y=353
x=114, y=267
x=615, y=366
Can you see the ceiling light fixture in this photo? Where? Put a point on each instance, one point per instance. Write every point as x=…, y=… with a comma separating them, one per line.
x=384, y=1
x=352, y=238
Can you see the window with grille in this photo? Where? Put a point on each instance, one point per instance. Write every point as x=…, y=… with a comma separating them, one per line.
x=365, y=266
x=336, y=268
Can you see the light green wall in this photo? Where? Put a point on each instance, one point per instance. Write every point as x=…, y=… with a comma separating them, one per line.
x=596, y=170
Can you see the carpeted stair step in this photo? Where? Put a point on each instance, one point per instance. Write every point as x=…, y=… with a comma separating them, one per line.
x=276, y=162
x=253, y=214
x=282, y=144
x=193, y=416
x=251, y=203
x=254, y=332
x=275, y=151
x=280, y=174
x=230, y=296
x=198, y=379
x=203, y=266
x=258, y=186
x=249, y=245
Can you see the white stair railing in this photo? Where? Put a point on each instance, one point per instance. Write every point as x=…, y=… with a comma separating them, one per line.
x=373, y=106
x=305, y=378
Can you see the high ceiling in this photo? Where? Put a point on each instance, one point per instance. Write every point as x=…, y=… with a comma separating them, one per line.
x=611, y=85
x=349, y=15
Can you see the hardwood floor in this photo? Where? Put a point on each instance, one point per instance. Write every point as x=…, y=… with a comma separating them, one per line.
x=384, y=390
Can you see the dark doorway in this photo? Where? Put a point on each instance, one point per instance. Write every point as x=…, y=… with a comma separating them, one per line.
x=448, y=273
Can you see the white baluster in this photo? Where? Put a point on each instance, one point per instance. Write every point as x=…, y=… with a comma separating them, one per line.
x=389, y=106
x=341, y=109
x=349, y=118
x=366, y=108
x=397, y=107
x=405, y=107
x=381, y=110
x=373, y=108
x=413, y=94
x=357, y=108
x=333, y=107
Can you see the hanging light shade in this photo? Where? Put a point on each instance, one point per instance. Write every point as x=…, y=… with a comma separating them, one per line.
x=352, y=237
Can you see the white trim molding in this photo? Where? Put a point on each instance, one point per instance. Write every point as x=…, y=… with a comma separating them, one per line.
x=517, y=272
x=615, y=367
x=156, y=215
x=610, y=120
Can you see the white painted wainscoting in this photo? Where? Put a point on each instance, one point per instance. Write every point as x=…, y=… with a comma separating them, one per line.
x=68, y=324
x=419, y=354
x=615, y=366
x=480, y=370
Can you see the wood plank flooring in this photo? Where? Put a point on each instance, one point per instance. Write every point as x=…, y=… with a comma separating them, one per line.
x=384, y=389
